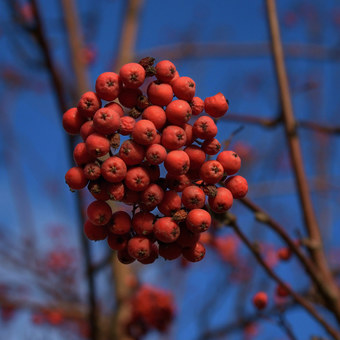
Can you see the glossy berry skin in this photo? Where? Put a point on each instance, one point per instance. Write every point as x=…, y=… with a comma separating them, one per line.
x=216, y=106
x=173, y=137
x=97, y=145
x=89, y=104
x=137, y=179
x=95, y=232
x=144, y=132
x=170, y=204
x=222, y=201
x=108, y=85
x=139, y=247
x=92, y=171
x=178, y=112
x=165, y=71
x=143, y=222
x=198, y=220
x=196, y=155
x=87, y=129
x=131, y=152
x=195, y=253
x=211, y=172
x=177, y=162
x=193, y=197
x=99, y=212
x=184, y=88
x=156, y=115
x=197, y=106
x=204, y=128
x=114, y=169
x=81, y=156
x=120, y=223
x=159, y=93
x=237, y=185
x=260, y=300
x=132, y=75
x=72, y=121
x=230, y=161
x=106, y=121
x=166, y=230
x=75, y=178
x=155, y=154
x=151, y=196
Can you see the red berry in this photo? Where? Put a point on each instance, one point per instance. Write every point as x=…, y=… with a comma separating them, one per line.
x=75, y=178
x=99, y=212
x=281, y=291
x=230, y=161
x=106, y=121
x=189, y=133
x=139, y=247
x=114, y=169
x=211, y=172
x=197, y=106
x=195, y=253
x=120, y=223
x=166, y=230
x=72, y=121
x=98, y=189
x=204, y=128
x=117, y=242
x=216, y=106
x=81, y=156
x=211, y=146
x=196, y=156
x=132, y=75
x=130, y=196
x=260, y=300
x=222, y=201
x=143, y=222
x=87, y=129
x=155, y=154
x=184, y=88
x=92, y=171
x=178, y=112
x=159, y=93
x=129, y=97
x=152, y=257
x=170, y=204
x=151, y=196
x=284, y=254
x=124, y=257
x=165, y=71
x=97, y=145
x=170, y=251
x=117, y=107
x=156, y=115
x=131, y=152
x=108, y=85
x=88, y=104
x=187, y=238
x=173, y=137
x=177, y=162
x=137, y=179
x=198, y=220
x=237, y=185
x=116, y=191
x=177, y=183
x=127, y=124
x=144, y=132
x=95, y=232
x=193, y=197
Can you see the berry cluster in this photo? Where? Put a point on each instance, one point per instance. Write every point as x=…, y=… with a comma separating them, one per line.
x=151, y=308
x=157, y=134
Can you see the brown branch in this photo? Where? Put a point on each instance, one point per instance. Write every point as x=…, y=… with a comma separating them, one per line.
x=311, y=224
x=297, y=297
x=57, y=85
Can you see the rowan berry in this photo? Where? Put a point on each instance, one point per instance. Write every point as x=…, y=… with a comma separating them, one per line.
x=187, y=238
x=116, y=107
x=211, y=172
x=98, y=189
x=120, y=223
x=170, y=251
x=144, y=132
x=204, y=128
x=195, y=253
x=222, y=201
x=106, y=121
x=129, y=97
x=97, y=145
x=139, y=247
x=126, y=125
x=159, y=93
x=75, y=178
x=92, y=171
x=198, y=220
x=177, y=162
x=284, y=254
x=88, y=104
x=281, y=291
x=165, y=71
x=124, y=257
x=81, y=156
x=184, y=88
x=72, y=121
x=197, y=106
x=166, y=230
x=131, y=152
x=196, y=156
x=189, y=133
x=114, y=169
x=230, y=161
x=130, y=196
x=152, y=170
x=155, y=154
x=211, y=146
x=216, y=106
x=170, y=204
x=99, y=212
x=151, y=196
x=143, y=222
x=108, y=85
x=173, y=137
x=115, y=191
x=260, y=300
x=152, y=257
x=193, y=197
x=177, y=183
x=132, y=75
x=178, y=112
x=95, y=232
x=87, y=129
x=237, y=185
x=117, y=242
x=137, y=179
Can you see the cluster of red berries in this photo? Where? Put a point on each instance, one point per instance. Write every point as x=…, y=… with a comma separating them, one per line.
x=129, y=172
x=260, y=299
x=151, y=308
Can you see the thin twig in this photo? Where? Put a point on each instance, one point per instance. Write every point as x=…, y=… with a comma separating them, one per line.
x=311, y=223
x=283, y=323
